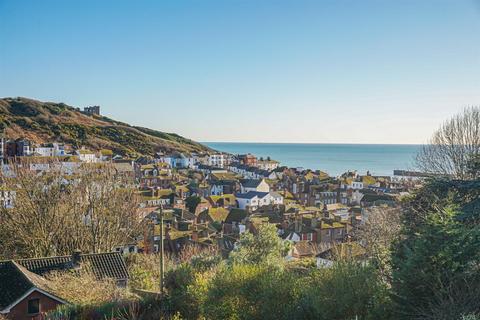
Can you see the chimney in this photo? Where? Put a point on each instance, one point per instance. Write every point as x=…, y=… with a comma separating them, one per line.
x=315, y=222
x=325, y=211
x=195, y=235
x=298, y=220
x=76, y=258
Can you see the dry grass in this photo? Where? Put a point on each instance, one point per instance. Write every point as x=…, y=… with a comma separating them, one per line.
x=84, y=288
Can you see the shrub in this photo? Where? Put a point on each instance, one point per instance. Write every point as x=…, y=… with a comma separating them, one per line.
x=348, y=290
x=263, y=247
x=251, y=292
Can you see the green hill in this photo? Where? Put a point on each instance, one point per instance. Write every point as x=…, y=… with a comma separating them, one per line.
x=57, y=122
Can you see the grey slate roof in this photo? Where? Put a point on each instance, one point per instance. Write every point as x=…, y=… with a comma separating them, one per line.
x=104, y=265
x=251, y=195
x=236, y=215
x=16, y=281
x=250, y=183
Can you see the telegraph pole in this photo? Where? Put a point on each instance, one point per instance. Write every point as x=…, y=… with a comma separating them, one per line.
x=162, y=264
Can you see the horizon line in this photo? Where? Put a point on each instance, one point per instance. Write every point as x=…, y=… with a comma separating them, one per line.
x=324, y=143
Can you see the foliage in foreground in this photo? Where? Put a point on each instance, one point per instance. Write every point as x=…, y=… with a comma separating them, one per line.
x=262, y=286
x=436, y=274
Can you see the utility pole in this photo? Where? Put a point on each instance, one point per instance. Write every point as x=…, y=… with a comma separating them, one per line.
x=162, y=264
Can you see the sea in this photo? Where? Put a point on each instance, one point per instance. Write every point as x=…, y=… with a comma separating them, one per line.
x=335, y=159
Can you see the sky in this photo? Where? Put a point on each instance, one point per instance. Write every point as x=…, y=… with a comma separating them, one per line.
x=250, y=70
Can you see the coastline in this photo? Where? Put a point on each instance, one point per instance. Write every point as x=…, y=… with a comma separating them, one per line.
x=379, y=159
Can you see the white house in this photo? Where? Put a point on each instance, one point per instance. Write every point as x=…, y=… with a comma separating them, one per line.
x=50, y=150
x=355, y=185
x=85, y=155
x=257, y=185
x=276, y=198
x=356, y=197
x=268, y=165
x=219, y=160
x=254, y=200
x=179, y=160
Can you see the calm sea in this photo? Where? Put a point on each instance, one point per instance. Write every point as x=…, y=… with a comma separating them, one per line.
x=379, y=159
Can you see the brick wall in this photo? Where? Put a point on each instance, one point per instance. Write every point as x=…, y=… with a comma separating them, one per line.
x=20, y=311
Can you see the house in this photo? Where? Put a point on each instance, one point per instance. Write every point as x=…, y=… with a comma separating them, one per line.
x=125, y=169
x=178, y=160
x=218, y=214
x=341, y=251
x=302, y=249
x=106, y=155
x=352, y=184
x=86, y=155
x=24, y=294
x=257, y=185
x=182, y=191
x=235, y=221
x=50, y=150
x=247, y=159
x=18, y=148
x=276, y=198
x=222, y=183
x=207, y=169
x=267, y=164
x=103, y=265
x=253, y=200
x=219, y=160
x=204, y=217
x=300, y=230
x=156, y=197
x=203, y=205
x=223, y=201
x=331, y=231
x=155, y=179
x=92, y=110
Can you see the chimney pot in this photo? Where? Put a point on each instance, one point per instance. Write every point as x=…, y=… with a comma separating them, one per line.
x=76, y=258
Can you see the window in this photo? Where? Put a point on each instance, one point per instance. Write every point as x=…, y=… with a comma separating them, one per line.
x=33, y=306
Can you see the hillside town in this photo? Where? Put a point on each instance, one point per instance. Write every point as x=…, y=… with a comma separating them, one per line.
x=210, y=200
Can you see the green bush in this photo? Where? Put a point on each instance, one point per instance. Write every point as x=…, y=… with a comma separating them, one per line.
x=348, y=290
x=435, y=265
x=263, y=247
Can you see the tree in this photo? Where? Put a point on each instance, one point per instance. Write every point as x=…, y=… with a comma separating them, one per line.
x=265, y=246
x=381, y=229
x=435, y=261
x=454, y=148
x=55, y=213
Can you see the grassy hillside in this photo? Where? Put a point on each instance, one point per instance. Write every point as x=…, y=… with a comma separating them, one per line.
x=57, y=122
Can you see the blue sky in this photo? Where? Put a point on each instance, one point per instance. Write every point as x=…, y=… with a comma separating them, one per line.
x=264, y=70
